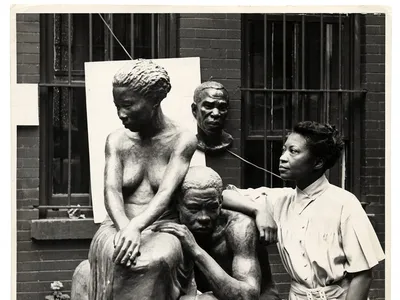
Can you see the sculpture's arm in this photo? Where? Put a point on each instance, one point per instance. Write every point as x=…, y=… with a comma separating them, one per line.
x=113, y=198
x=246, y=274
x=175, y=172
x=246, y=278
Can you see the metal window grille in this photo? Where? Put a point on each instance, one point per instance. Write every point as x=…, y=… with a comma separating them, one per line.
x=67, y=41
x=300, y=67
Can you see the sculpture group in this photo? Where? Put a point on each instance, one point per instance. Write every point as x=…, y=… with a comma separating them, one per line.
x=167, y=234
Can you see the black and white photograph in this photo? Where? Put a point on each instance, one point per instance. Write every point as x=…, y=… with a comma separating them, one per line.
x=200, y=153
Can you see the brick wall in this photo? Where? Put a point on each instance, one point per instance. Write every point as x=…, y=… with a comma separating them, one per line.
x=373, y=142
x=216, y=39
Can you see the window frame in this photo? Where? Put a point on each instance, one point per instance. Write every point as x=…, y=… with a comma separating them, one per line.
x=355, y=105
x=164, y=34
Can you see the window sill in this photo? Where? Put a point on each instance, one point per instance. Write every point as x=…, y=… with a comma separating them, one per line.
x=63, y=229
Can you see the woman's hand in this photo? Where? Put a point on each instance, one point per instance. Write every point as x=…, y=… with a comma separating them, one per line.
x=126, y=243
x=264, y=221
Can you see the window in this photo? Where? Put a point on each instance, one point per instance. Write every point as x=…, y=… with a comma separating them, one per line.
x=299, y=67
x=67, y=42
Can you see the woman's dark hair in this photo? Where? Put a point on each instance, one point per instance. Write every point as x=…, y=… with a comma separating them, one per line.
x=323, y=140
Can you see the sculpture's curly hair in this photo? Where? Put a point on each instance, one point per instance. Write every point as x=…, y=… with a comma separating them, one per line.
x=222, y=92
x=323, y=140
x=145, y=78
x=201, y=177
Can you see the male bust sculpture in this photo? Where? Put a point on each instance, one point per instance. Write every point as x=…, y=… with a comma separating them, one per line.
x=229, y=262
x=210, y=108
x=145, y=163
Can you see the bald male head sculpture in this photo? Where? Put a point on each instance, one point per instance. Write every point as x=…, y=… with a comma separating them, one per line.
x=210, y=108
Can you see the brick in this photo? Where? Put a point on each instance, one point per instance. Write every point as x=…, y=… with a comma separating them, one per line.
x=28, y=17
x=44, y=276
x=32, y=295
x=27, y=162
x=225, y=44
x=28, y=37
x=41, y=286
x=29, y=48
x=28, y=78
x=375, y=39
x=28, y=194
x=62, y=265
x=27, y=131
x=206, y=23
x=27, y=183
x=27, y=203
x=375, y=68
x=28, y=142
x=233, y=34
x=374, y=134
x=374, y=30
x=28, y=27
x=374, y=58
x=52, y=255
x=375, y=19
x=28, y=153
x=27, y=69
x=23, y=225
x=195, y=43
x=210, y=33
x=187, y=33
x=28, y=173
x=376, y=77
x=23, y=235
x=233, y=53
x=27, y=214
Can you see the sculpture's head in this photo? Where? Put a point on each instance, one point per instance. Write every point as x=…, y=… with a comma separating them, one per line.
x=210, y=106
x=138, y=89
x=200, y=199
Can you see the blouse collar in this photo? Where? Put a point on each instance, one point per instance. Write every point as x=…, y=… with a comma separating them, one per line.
x=310, y=193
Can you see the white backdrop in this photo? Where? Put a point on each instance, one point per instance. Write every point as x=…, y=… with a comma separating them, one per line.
x=102, y=115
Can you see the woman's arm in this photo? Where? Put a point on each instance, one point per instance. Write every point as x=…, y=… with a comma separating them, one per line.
x=258, y=209
x=113, y=199
x=176, y=170
x=359, y=285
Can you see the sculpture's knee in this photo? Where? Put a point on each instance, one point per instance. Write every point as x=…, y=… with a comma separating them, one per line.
x=80, y=281
x=164, y=252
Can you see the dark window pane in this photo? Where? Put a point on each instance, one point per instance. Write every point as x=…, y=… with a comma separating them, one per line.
x=79, y=142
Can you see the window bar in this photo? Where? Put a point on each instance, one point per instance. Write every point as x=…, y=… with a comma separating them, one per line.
x=265, y=97
x=272, y=94
x=340, y=95
x=328, y=56
x=153, y=46
x=69, y=106
x=106, y=39
x=111, y=37
x=90, y=37
x=321, y=70
x=303, y=72
x=295, y=74
x=132, y=36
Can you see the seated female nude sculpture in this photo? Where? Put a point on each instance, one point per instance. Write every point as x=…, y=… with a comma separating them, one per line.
x=145, y=162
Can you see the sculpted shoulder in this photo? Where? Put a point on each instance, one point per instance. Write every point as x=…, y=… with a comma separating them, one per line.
x=240, y=228
x=116, y=138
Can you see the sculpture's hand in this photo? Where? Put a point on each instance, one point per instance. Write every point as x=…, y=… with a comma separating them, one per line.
x=264, y=221
x=126, y=243
x=186, y=238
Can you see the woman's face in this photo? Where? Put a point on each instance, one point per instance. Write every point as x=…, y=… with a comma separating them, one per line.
x=134, y=111
x=296, y=161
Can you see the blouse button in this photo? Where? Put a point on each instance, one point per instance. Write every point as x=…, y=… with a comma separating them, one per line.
x=303, y=253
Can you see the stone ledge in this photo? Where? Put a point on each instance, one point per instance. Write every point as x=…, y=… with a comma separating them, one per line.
x=63, y=229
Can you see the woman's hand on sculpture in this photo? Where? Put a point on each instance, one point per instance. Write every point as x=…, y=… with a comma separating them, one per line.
x=265, y=222
x=127, y=242
x=186, y=238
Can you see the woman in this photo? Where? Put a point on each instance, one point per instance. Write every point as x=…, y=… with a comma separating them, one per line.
x=325, y=239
